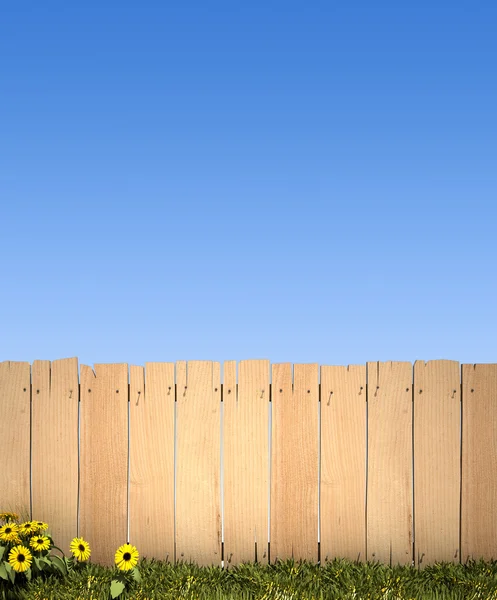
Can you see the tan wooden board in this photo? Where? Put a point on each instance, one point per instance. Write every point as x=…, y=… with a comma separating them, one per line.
x=104, y=459
x=437, y=467
x=15, y=419
x=55, y=395
x=151, y=510
x=198, y=496
x=294, y=462
x=343, y=462
x=479, y=462
x=246, y=462
x=389, y=493
x=229, y=388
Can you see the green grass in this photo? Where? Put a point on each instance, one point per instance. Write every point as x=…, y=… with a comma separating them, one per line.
x=287, y=580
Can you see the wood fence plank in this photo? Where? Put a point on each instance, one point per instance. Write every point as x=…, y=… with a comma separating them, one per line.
x=104, y=459
x=294, y=462
x=229, y=389
x=43, y=458
x=151, y=510
x=246, y=451
x=55, y=393
x=343, y=462
x=437, y=446
x=479, y=462
x=198, y=506
x=281, y=425
x=389, y=494
x=15, y=421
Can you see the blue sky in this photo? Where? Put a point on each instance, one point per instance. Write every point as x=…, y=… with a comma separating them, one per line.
x=304, y=182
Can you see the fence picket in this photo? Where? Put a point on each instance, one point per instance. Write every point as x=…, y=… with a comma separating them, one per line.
x=151, y=503
x=479, y=462
x=104, y=459
x=437, y=432
x=246, y=463
x=389, y=493
x=198, y=496
x=343, y=462
x=15, y=406
x=294, y=462
x=55, y=393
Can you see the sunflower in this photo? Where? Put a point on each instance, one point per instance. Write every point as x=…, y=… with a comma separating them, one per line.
x=27, y=528
x=9, y=516
x=40, y=526
x=20, y=558
x=126, y=557
x=80, y=549
x=39, y=542
x=10, y=533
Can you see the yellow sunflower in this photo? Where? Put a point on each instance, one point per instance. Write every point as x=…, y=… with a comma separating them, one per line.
x=20, y=558
x=40, y=526
x=40, y=542
x=9, y=516
x=10, y=533
x=126, y=557
x=27, y=528
x=80, y=549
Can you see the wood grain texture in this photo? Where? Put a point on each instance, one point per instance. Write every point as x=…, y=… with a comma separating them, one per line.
x=479, y=462
x=55, y=392
x=15, y=422
x=151, y=510
x=104, y=459
x=437, y=445
x=389, y=493
x=198, y=458
x=246, y=462
x=49, y=404
x=343, y=462
x=294, y=462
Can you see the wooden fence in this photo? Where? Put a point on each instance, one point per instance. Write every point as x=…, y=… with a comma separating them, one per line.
x=381, y=462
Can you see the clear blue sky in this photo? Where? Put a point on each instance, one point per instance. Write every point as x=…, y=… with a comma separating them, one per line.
x=298, y=181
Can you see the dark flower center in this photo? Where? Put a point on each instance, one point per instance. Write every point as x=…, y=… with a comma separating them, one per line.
x=81, y=548
x=127, y=556
x=21, y=558
x=8, y=530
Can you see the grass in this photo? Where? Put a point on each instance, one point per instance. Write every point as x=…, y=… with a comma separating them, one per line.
x=288, y=580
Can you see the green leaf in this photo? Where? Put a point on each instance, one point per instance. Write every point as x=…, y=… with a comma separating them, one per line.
x=45, y=561
x=60, y=564
x=136, y=575
x=116, y=588
x=3, y=571
x=11, y=572
x=28, y=574
x=2, y=550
